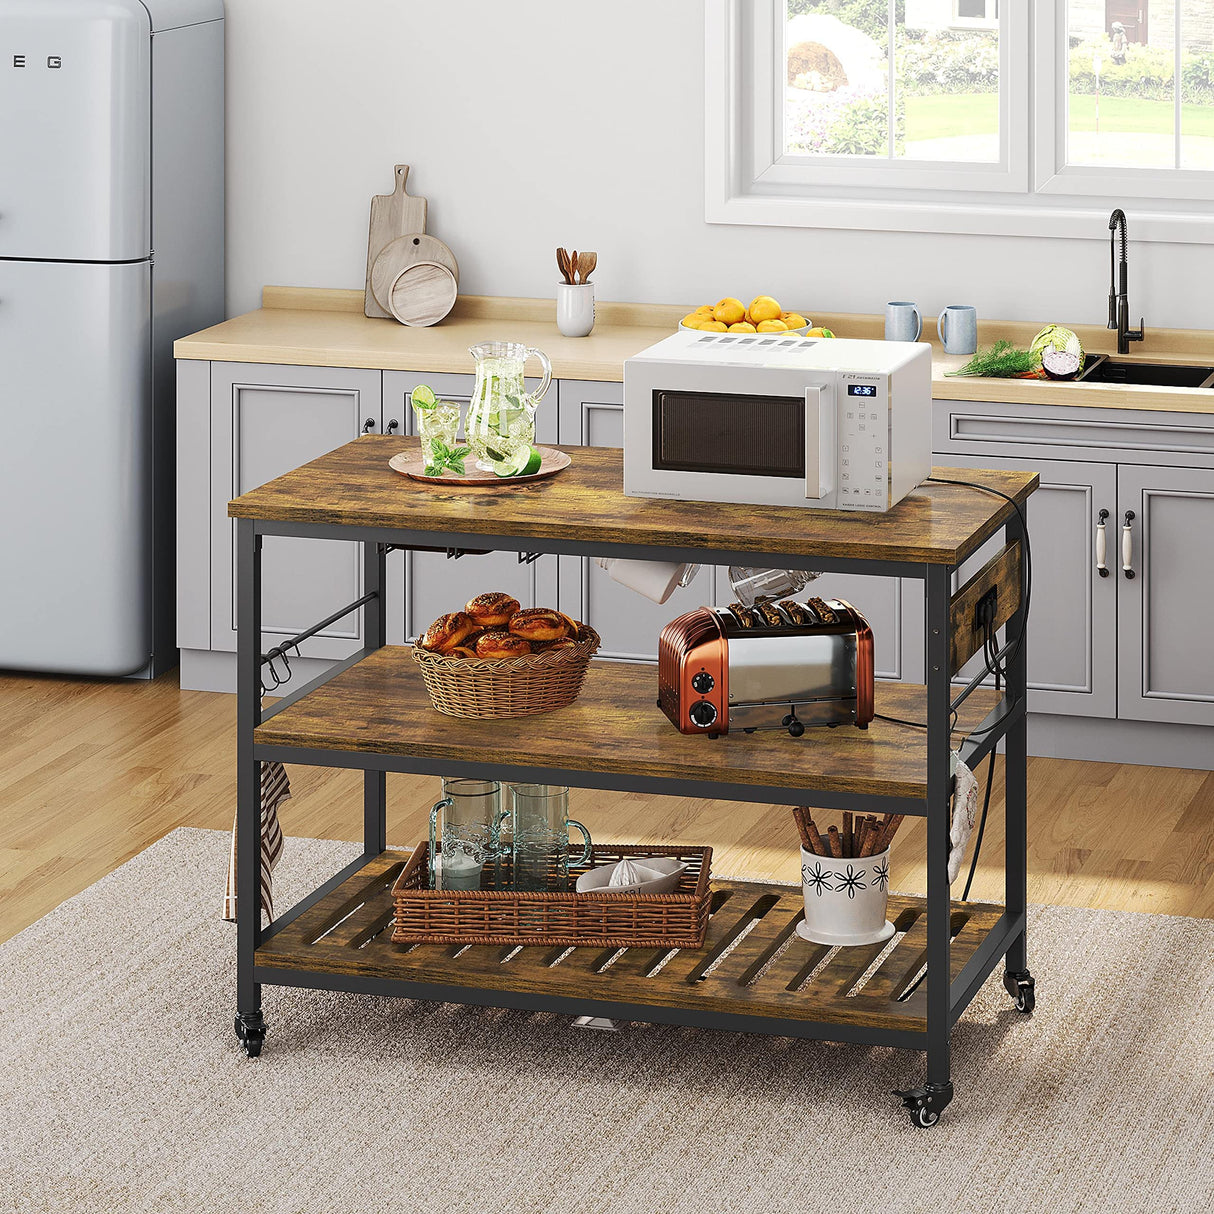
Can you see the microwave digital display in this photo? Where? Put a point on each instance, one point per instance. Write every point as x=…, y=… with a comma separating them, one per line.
x=738, y=434
x=861, y=389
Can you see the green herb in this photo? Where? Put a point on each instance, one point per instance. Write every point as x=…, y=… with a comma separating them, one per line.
x=1003, y=360
x=446, y=457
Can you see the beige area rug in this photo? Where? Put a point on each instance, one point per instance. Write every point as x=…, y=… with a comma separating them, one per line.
x=122, y=1090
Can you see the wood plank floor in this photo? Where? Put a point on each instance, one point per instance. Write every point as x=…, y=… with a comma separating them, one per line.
x=92, y=772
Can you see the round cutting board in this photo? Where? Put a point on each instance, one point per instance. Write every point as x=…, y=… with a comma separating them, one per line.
x=390, y=280
x=410, y=464
x=422, y=294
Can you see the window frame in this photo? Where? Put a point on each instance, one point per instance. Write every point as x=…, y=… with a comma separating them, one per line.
x=771, y=166
x=1053, y=203
x=1053, y=174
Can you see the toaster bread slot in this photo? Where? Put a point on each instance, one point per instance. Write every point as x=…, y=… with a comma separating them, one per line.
x=799, y=614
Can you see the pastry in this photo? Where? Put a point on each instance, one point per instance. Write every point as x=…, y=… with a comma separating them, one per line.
x=501, y=645
x=448, y=632
x=460, y=651
x=562, y=643
x=539, y=624
x=492, y=609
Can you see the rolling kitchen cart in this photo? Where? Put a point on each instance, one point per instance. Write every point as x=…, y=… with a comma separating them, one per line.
x=371, y=712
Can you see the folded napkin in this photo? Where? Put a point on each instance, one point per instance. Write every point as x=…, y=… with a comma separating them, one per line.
x=275, y=789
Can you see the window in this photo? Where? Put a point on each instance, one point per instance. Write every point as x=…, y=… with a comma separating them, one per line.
x=997, y=116
x=1123, y=104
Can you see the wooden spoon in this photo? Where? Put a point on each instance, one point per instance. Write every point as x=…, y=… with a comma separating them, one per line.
x=586, y=264
x=562, y=263
x=573, y=267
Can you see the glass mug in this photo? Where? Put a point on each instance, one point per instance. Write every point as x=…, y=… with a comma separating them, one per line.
x=470, y=832
x=540, y=846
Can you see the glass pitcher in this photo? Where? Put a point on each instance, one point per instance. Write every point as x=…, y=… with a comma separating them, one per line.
x=501, y=417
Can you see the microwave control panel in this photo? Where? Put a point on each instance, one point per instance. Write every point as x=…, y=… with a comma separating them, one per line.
x=863, y=410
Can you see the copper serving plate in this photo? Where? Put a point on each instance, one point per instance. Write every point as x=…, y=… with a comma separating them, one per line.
x=411, y=464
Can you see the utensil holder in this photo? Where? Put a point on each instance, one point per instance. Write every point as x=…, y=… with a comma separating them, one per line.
x=575, y=308
x=845, y=899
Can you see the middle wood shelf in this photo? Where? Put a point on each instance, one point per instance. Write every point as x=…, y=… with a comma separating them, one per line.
x=379, y=707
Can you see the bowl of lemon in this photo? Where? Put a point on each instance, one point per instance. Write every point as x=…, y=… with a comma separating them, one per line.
x=763, y=315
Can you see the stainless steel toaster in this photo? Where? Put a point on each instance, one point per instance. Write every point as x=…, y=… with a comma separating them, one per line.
x=783, y=665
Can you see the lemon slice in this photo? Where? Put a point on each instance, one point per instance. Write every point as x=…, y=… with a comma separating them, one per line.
x=423, y=397
x=524, y=462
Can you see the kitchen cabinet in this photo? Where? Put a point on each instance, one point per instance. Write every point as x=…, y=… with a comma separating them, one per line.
x=1073, y=618
x=264, y=421
x=592, y=415
x=1165, y=654
x=435, y=583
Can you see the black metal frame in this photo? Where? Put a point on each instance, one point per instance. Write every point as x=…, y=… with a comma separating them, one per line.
x=946, y=997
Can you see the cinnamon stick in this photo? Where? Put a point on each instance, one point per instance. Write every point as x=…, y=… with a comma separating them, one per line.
x=798, y=815
x=836, y=842
x=862, y=833
x=868, y=837
x=848, y=836
x=820, y=847
x=888, y=831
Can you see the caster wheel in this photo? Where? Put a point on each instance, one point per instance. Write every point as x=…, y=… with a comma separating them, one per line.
x=1020, y=985
x=787, y=719
x=925, y=1104
x=251, y=1029
x=796, y=729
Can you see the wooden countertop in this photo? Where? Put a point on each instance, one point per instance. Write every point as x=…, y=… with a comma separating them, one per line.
x=353, y=486
x=322, y=328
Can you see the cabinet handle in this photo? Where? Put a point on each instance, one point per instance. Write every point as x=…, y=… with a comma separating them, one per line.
x=1101, y=545
x=368, y=425
x=1127, y=545
x=390, y=428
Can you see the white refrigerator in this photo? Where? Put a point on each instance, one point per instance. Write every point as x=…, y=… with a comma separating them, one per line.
x=111, y=246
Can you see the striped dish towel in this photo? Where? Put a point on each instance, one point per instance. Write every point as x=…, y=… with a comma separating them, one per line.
x=275, y=789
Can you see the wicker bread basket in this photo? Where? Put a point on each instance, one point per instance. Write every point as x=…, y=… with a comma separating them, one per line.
x=560, y=916
x=507, y=687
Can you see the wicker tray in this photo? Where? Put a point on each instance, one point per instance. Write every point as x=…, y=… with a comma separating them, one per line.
x=507, y=687
x=677, y=920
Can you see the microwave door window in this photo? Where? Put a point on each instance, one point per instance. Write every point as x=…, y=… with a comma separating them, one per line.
x=732, y=433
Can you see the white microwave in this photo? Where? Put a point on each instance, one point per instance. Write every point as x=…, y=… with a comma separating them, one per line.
x=765, y=419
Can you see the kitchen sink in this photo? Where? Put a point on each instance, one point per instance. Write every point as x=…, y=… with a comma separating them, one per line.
x=1105, y=370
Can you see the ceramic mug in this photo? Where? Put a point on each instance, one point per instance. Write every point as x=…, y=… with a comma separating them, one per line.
x=903, y=321
x=575, y=308
x=958, y=329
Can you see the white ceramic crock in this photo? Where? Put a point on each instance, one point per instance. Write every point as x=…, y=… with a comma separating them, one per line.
x=575, y=308
x=845, y=900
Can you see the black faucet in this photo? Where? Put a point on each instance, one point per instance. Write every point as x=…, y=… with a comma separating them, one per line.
x=1119, y=300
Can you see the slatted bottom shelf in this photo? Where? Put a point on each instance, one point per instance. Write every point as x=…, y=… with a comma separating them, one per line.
x=752, y=964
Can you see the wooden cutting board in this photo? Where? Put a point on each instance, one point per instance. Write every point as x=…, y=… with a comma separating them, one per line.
x=392, y=215
x=415, y=278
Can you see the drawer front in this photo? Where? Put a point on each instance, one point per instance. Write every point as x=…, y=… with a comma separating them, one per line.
x=1093, y=435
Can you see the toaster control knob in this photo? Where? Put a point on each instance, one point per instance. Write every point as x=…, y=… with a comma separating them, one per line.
x=702, y=714
x=703, y=682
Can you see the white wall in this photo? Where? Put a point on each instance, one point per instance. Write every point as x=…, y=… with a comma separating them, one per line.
x=545, y=122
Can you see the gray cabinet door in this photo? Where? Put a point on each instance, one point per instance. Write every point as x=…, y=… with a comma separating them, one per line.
x=592, y=415
x=1166, y=659
x=435, y=584
x=1072, y=661
x=266, y=420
